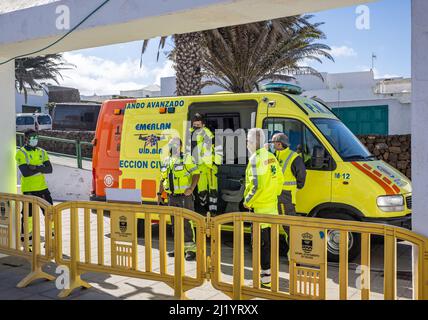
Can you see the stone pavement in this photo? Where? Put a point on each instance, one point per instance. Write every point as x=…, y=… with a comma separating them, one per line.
x=106, y=286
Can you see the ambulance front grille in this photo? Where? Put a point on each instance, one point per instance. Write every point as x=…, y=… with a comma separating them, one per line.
x=409, y=202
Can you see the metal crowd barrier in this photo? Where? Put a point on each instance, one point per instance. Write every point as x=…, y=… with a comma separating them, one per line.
x=27, y=244
x=113, y=248
x=308, y=278
x=122, y=254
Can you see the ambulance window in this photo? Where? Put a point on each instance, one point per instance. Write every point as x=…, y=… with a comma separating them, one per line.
x=309, y=144
x=292, y=128
x=300, y=138
x=222, y=121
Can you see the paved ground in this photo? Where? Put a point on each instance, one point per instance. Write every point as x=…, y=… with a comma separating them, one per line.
x=105, y=286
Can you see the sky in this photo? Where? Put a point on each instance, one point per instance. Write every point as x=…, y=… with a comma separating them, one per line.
x=353, y=40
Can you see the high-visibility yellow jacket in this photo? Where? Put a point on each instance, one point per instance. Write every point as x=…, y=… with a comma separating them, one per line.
x=263, y=182
x=285, y=158
x=36, y=157
x=177, y=172
x=206, y=153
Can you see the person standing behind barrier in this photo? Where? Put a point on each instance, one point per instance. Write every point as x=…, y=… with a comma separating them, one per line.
x=33, y=163
x=263, y=184
x=294, y=171
x=179, y=177
x=207, y=157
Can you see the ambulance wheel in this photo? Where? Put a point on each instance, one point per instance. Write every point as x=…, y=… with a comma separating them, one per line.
x=140, y=228
x=333, y=236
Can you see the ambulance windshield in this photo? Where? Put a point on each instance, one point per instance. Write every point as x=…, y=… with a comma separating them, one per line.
x=343, y=140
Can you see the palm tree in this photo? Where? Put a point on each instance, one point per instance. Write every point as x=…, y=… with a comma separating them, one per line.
x=238, y=58
x=186, y=56
x=31, y=70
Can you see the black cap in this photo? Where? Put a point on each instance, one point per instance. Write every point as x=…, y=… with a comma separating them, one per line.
x=29, y=133
x=198, y=117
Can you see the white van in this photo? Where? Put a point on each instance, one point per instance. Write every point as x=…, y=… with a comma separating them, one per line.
x=35, y=121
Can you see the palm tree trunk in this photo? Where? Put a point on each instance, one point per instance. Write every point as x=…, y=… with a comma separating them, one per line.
x=188, y=63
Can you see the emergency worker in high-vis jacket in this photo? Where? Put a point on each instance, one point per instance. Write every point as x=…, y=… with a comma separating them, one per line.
x=263, y=185
x=179, y=177
x=294, y=171
x=207, y=155
x=33, y=163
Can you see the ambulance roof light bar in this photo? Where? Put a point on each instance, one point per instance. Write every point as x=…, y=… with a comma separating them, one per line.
x=282, y=87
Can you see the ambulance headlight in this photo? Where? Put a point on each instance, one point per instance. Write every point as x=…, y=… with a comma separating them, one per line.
x=390, y=203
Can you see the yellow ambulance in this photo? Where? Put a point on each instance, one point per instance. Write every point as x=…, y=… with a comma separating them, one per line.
x=344, y=181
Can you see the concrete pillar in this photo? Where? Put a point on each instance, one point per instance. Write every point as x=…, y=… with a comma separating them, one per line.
x=7, y=127
x=420, y=116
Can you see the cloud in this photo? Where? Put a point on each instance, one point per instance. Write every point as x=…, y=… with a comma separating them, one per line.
x=166, y=71
x=103, y=76
x=389, y=75
x=342, y=51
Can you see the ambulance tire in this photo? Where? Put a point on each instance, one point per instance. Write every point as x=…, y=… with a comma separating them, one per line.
x=354, y=248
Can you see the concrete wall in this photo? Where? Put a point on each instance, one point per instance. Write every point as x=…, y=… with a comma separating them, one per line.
x=67, y=183
x=420, y=115
x=8, y=126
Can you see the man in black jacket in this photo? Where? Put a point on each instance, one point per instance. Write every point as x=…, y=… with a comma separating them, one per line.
x=294, y=170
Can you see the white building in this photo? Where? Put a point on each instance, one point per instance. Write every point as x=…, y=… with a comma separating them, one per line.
x=145, y=92
x=365, y=104
x=37, y=101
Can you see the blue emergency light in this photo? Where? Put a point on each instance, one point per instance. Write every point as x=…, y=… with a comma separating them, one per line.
x=282, y=87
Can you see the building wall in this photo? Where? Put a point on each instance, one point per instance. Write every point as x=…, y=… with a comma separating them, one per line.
x=32, y=100
x=141, y=93
x=168, y=87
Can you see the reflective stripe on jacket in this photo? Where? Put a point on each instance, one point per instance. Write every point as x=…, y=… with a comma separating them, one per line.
x=35, y=157
x=285, y=158
x=263, y=183
x=181, y=169
x=206, y=152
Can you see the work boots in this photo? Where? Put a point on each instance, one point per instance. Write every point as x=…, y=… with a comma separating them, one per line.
x=189, y=255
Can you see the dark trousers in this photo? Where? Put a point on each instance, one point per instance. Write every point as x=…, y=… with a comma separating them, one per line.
x=44, y=194
x=286, y=207
x=285, y=204
x=265, y=248
x=186, y=202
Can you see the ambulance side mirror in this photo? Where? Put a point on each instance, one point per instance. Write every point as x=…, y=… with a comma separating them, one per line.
x=318, y=157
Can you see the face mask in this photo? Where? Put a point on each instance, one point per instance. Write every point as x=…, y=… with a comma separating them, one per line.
x=33, y=142
x=272, y=147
